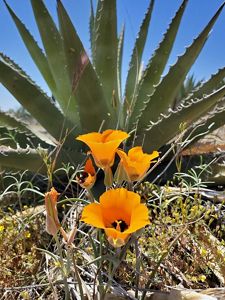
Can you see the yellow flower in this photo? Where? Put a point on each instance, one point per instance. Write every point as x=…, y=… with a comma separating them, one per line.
x=27, y=234
x=103, y=145
x=86, y=179
x=135, y=164
x=119, y=213
x=52, y=221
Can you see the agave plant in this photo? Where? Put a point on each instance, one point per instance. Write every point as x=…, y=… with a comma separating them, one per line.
x=88, y=93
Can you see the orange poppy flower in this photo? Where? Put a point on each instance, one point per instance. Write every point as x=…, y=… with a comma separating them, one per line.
x=86, y=179
x=135, y=164
x=119, y=213
x=52, y=221
x=103, y=145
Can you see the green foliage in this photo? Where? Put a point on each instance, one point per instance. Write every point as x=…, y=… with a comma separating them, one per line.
x=88, y=92
x=18, y=242
x=184, y=242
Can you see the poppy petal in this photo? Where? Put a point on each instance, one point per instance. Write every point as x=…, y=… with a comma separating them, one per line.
x=136, y=163
x=92, y=215
x=103, y=145
x=135, y=153
x=52, y=221
x=104, y=153
x=115, y=234
x=154, y=155
x=89, y=168
x=111, y=135
x=90, y=137
x=118, y=204
x=139, y=218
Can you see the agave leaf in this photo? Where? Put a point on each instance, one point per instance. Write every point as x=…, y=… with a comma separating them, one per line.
x=156, y=65
x=82, y=75
x=14, y=65
x=209, y=86
x=36, y=53
x=33, y=159
x=119, y=68
x=32, y=98
x=166, y=91
x=22, y=159
x=187, y=88
x=11, y=121
x=215, y=120
x=52, y=42
x=165, y=129
x=135, y=63
x=33, y=131
x=14, y=137
x=11, y=137
x=92, y=29
x=119, y=61
x=105, y=51
x=7, y=140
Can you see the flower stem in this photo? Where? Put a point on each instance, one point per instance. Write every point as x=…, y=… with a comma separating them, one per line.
x=66, y=287
x=113, y=267
x=108, y=180
x=76, y=272
x=138, y=263
x=101, y=290
x=90, y=196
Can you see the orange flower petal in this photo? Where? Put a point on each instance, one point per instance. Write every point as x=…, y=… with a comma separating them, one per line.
x=52, y=221
x=90, y=137
x=112, y=135
x=118, y=204
x=104, y=153
x=115, y=234
x=117, y=243
x=136, y=163
x=153, y=155
x=139, y=218
x=89, y=168
x=119, y=213
x=85, y=180
x=135, y=153
x=103, y=145
x=92, y=215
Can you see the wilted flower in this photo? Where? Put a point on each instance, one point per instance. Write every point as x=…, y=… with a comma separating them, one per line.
x=52, y=221
x=133, y=167
x=119, y=213
x=103, y=145
x=86, y=179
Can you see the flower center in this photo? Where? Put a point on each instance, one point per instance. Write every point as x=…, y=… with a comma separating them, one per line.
x=120, y=225
x=82, y=176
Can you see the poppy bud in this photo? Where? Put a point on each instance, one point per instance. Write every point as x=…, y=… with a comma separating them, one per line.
x=52, y=221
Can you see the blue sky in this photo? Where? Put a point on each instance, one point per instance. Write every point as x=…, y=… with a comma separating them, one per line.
x=130, y=12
